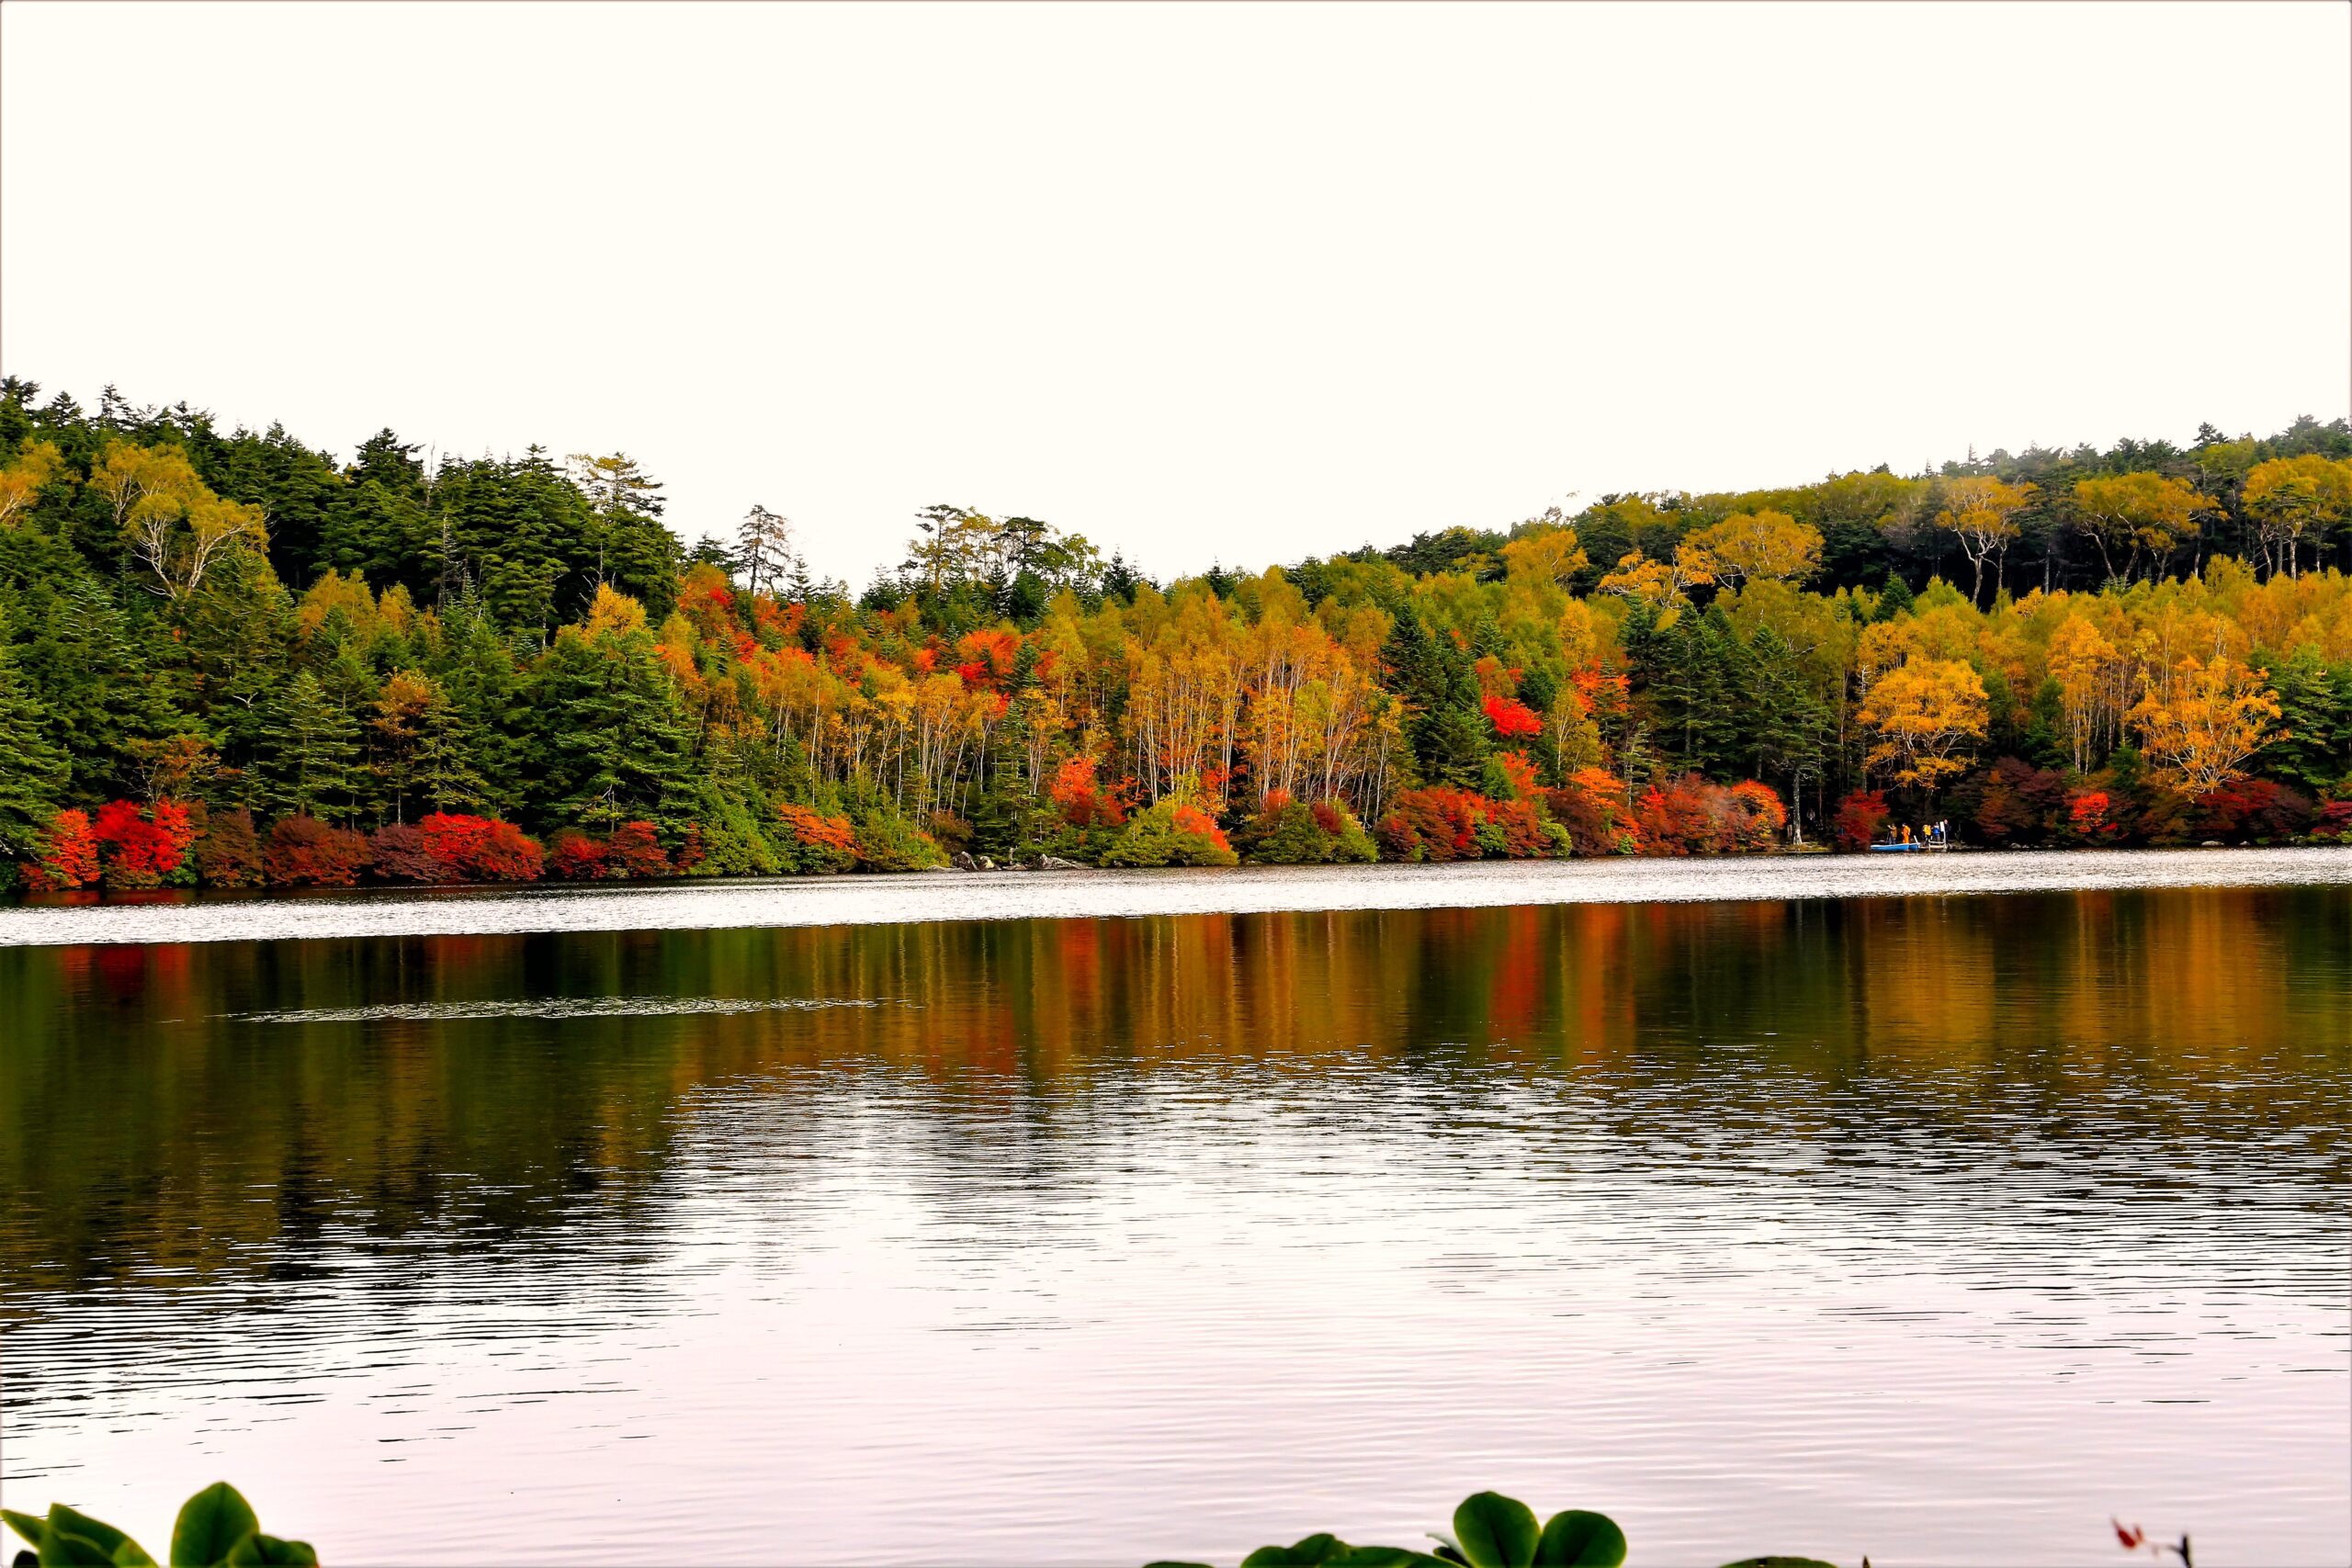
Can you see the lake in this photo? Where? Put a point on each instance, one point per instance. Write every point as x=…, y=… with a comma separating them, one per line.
x=1938, y=1227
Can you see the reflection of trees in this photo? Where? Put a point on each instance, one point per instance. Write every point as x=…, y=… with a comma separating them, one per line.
x=142, y=1127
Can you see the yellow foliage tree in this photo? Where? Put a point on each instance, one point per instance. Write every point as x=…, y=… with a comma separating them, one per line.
x=1982, y=511
x=1545, y=555
x=2294, y=499
x=2143, y=513
x=2090, y=676
x=21, y=481
x=1660, y=582
x=1924, y=714
x=2202, y=720
x=1753, y=547
x=179, y=529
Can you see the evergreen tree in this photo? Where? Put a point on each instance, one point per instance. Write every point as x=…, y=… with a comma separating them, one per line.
x=610, y=745
x=2315, y=710
x=447, y=744
x=1783, y=731
x=1686, y=667
x=32, y=768
x=630, y=548
x=764, y=551
x=1444, y=728
x=311, y=753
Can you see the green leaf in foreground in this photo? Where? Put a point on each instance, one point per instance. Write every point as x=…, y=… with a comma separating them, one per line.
x=1310, y=1552
x=210, y=1523
x=1577, y=1538
x=62, y=1549
x=1496, y=1531
x=117, y=1544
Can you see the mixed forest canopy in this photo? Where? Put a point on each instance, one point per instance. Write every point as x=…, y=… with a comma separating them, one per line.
x=228, y=657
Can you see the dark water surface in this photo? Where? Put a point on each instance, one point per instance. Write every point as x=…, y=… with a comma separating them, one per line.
x=1937, y=1228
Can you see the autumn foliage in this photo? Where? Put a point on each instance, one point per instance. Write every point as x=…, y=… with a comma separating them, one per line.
x=140, y=847
x=302, y=852
x=1591, y=806
x=2147, y=646
x=632, y=851
x=1859, y=817
x=1512, y=719
x=1443, y=823
x=69, y=854
x=1690, y=815
x=1439, y=823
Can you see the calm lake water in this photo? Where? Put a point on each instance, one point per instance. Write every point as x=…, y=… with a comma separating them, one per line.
x=1937, y=1228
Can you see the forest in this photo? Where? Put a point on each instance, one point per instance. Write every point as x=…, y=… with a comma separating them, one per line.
x=229, y=660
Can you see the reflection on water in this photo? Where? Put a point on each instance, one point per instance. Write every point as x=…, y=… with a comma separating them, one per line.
x=1934, y=1228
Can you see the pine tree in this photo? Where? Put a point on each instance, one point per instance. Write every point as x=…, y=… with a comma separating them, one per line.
x=2315, y=712
x=32, y=770
x=1783, y=731
x=443, y=769
x=311, y=753
x=610, y=745
x=764, y=551
x=1443, y=726
x=629, y=548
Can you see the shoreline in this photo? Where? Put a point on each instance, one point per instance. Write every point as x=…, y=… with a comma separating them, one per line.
x=923, y=897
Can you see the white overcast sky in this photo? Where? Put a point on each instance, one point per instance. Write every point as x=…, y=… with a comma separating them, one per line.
x=1241, y=282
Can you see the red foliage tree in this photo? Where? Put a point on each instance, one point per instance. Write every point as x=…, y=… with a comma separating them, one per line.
x=139, y=848
x=2256, y=810
x=633, y=851
x=1511, y=717
x=305, y=851
x=454, y=840
x=1439, y=823
x=1081, y=801
x=228, y=851
x=508, y=854
x=1859, y=817
x=2087, y=817
x=573, y=856
x=834, y=838
x=1190, y=818
x=480, y=849
x=179, y=822
x=987, y=657
x=1675, y=820
x=1694, y=816
x=68, y=854
x=1521, y=827
x=1591, y=806
x=402, y=853
x=1758, y=817
x=2020, y=804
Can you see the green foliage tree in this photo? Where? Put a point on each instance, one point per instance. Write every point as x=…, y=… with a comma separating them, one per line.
x=1444, y=728
x=310, y=764
x=32, y=769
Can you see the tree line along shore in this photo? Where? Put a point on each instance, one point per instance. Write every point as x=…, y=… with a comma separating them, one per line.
x=227, y=658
